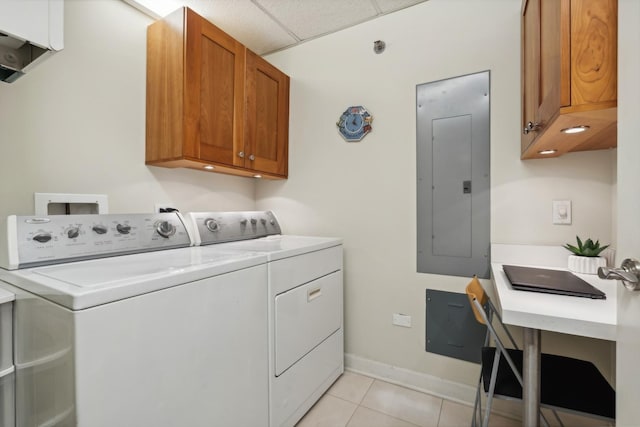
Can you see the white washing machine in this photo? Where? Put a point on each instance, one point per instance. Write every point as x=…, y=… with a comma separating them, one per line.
x=118, y=321
x=305, y=305
x=7, y=370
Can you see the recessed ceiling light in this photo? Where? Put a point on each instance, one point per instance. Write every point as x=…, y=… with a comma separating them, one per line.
x=208, y=167
x=575, y=129
x=546, y=152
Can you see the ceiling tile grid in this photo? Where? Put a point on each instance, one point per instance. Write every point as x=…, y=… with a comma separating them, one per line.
x=388, y=6
x=312, y=18
x=266, y=26
x=244, y=22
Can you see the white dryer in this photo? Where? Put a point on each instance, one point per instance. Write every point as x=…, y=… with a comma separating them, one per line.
x=305, y=305
x=119, y=321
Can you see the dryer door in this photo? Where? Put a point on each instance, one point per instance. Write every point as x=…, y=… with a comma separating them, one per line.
x=304, y=317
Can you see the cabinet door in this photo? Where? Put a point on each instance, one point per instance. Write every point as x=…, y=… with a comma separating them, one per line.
x=545, y=63
x=214, y=93
x=267, y=117
x=530, y=68
x=555, y=59
x=594, y=59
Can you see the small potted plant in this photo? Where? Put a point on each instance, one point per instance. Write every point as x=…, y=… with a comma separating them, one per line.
x=586, y=256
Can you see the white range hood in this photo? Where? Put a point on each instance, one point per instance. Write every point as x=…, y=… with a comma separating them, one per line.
x=30, y=30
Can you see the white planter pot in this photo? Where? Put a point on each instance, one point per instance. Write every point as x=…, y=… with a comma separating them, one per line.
x=585, y=264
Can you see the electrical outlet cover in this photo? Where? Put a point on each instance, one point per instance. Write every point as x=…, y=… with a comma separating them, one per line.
x=401, y=320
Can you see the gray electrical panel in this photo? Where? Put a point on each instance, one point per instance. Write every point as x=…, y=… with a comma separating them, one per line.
x=451, y=329
x=453, y=154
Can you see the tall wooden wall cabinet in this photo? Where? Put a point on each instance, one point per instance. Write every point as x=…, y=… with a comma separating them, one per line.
x=569, y=76
x=212, y=104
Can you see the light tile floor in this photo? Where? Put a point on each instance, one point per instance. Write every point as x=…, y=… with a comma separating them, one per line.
x=359, y=401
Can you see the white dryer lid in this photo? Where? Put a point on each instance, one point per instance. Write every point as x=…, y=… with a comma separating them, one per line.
x=283, y=246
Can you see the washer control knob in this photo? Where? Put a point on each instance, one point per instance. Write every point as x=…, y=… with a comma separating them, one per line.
x=165, y=229
x=73, y=232
x=243, y=221
x=42, y=237
x=263, y=221
x=123, y=228
x=254, y=221
x=99, y=229
x=211, y=224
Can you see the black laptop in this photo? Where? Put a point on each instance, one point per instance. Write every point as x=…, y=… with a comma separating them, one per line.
x=550, y=281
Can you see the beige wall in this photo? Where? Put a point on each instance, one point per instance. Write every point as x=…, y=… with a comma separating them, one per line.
x=76, y=124
x=366, y=192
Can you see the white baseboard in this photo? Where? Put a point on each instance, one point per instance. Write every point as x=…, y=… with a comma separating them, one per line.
x=450, y=390
x=445, y=389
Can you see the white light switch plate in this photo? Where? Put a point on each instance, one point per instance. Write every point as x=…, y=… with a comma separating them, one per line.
x=562, y=211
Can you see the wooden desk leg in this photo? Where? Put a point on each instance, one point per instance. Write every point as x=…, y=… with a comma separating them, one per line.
x=531, y=378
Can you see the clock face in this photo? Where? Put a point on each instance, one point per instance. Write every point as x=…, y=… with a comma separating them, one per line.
x=354, y=123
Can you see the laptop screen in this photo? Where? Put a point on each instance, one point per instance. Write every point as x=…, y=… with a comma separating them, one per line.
x=550, y=281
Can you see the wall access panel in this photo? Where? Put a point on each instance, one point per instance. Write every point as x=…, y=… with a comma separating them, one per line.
x=451, y=328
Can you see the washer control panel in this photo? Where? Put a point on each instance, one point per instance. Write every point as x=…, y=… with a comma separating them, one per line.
x=63, y=238
x=220, y=227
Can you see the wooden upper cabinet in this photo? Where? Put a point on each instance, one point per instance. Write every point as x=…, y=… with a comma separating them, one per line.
x=569, y=76
x=213, y=103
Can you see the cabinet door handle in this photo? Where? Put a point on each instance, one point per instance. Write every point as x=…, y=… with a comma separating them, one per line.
x=241, y=154
x=531, y=127
x=252, y=157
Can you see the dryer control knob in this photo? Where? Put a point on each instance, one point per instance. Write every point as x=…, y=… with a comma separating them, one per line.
x=211, y=224
x=165, y=229
x=254, y=221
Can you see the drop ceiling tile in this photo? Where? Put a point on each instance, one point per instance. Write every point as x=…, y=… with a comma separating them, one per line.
x=388, y=6
x=245, y=22
x=265, y=26
x=311, y=18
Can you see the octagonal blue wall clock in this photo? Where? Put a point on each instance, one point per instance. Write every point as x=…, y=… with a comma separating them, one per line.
x=355, y=123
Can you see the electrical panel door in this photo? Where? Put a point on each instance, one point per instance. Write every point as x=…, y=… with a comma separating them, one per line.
x=453, y=153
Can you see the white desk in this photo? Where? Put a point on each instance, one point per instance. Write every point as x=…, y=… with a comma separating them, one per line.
x=538, y=311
